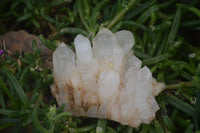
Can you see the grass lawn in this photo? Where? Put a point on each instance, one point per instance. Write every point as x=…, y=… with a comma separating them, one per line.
x=167, y=40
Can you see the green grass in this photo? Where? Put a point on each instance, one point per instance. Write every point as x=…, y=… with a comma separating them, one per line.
x=167, y=41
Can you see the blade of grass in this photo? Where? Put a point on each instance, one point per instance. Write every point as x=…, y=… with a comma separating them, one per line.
x=101, y=126
x=24, y=17
x=116, y=27
x=163, y=43
x=110, y=130
x=183, y=122
x=139, y=45
x=174, y=115
x=2, y=101
x=71, y=30
x=16, y=128
x=166, y=4
x=83, y=129
x=155, y=44
x=186, y=75
x=174, y=29
x=165, y=118
x=81, y=11
x=198, y=70
x=141, y=54
x=190, y=8
x=37, y=124
x=24, y=73
x=153, y=19
x=2, y=126
x=186, y=66
x=193, y=49
x=135, y=25
x=156, y=59
x=121, y=14
x=197, y=112
x=179, y=104
x=139, y=9
x=19, y=91
x=143, y=18
x=47, y=43
x=191, y=23
x=189, y=129
x=144, y=128
x=61, y=115
x=9, y=113
x=96, y=11
x=9, y=120
x=2, y=84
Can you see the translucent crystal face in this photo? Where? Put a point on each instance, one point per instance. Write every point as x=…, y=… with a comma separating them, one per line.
x=106, y=80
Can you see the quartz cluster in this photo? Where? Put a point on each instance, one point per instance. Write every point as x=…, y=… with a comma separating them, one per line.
x=105, y=80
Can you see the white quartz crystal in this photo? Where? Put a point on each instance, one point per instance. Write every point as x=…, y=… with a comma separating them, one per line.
x=106, y=80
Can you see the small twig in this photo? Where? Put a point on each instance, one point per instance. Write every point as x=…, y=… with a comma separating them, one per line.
x=179, y=85
x=53, y=30
x=5, y=49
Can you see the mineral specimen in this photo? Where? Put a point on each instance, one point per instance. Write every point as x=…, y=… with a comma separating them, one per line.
x=105, y=80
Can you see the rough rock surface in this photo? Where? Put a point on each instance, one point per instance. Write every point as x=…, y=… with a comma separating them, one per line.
x=21, y=41
x=106, y=80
